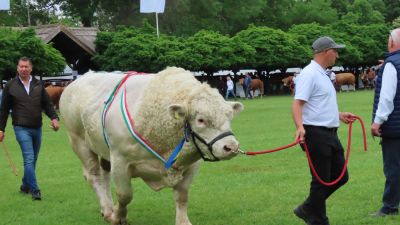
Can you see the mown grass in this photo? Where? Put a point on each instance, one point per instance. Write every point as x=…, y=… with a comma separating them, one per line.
x=259, y=190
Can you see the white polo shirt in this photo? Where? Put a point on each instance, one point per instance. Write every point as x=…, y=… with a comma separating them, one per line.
x=315, y=88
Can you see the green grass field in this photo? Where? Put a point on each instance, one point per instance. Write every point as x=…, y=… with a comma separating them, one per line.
x=259, y=190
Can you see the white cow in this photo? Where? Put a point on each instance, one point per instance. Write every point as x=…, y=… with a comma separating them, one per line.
x=160, y=106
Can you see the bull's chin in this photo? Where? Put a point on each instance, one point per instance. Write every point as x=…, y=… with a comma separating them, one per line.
x=227, y=156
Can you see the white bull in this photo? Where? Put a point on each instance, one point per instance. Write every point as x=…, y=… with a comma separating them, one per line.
x=160, y=106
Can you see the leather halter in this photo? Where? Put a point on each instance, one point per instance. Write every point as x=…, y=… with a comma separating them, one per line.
x=207, y=156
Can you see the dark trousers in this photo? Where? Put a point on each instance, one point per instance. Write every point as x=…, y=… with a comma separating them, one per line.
x=327, y=155
x=247, y=91
x=391, y=168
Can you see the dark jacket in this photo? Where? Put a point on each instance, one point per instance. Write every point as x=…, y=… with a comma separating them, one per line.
x=391, y=127
x=247, y=80
x=26, y=110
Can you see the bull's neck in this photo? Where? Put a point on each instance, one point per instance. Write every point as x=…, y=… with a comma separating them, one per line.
x=187, y=156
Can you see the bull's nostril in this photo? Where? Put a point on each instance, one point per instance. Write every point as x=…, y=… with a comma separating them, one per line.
x=226, y=148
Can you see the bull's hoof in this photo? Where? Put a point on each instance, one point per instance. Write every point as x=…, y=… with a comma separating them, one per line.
x=118, y=221
x=107, y=216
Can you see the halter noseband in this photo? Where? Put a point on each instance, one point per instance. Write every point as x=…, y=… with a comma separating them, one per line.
x=206, y=157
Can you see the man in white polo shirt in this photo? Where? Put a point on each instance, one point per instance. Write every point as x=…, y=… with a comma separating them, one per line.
x=316, y=116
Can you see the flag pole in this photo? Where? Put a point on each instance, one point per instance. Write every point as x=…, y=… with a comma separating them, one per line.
x=158, y=33
x=29, y=16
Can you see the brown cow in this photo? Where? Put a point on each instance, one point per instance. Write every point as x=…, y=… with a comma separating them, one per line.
x=345, y=78
x=55, y=94
x=256, y=84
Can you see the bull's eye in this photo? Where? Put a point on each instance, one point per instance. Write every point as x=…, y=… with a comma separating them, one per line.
x=201, y=121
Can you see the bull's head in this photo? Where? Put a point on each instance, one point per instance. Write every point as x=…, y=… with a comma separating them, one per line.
x=208, y=124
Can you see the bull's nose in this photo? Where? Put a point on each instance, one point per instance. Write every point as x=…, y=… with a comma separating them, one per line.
x=231, y=147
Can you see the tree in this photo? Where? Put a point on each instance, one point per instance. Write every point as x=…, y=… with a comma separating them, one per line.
x=369, y=40
x=46, y=60
x=341, y=6
x=396, y=22
x=308, y=33
x=313, y=8
x=362, y=12
x=274, y=14
x=392, y=10
x=39, y=13
x=208, y=51
x=275, y=49
x=84, y=9
x=129, y=49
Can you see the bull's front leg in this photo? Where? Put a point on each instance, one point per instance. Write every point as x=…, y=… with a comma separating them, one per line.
x=122, y=180
x=181, y=194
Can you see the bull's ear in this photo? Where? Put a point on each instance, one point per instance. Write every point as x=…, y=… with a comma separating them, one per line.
x=177, y=111
x=237, y=107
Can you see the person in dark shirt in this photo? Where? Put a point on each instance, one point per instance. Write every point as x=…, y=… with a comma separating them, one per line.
x=26, y=97
x=247, y=86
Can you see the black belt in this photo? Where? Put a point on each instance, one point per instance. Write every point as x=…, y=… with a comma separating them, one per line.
x=330, y=129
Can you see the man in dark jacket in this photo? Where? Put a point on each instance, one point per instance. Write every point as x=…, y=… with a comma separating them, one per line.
x=26, y=97
x=247, y=86
x=386, y=123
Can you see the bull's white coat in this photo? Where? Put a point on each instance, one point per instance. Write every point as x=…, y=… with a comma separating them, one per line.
x=159, y=104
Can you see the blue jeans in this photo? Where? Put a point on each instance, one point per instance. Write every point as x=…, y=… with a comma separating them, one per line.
x=29, y=139
x=391, y=169
x=229, y=92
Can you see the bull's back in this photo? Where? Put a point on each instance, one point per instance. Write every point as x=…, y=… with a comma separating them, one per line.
x=87, y=91
x=83, y=101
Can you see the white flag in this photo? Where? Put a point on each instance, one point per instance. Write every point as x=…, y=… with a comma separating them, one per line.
x=151, y=6
x=4, y=4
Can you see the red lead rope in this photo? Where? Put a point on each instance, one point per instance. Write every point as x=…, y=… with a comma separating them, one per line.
x=308, y=153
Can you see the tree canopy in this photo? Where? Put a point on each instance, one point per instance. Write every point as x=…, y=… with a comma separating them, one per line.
x=187, y=17
x=210, y=35
x=258, y=47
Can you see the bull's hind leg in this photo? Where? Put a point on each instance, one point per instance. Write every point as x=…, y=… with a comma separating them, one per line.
x=98, y=178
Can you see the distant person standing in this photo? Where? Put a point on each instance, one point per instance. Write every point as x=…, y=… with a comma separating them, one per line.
x=26, y=97
x=386, y=123
x=331, y=75
x=247, y=86
x=230, y=86
x=316, y=116
x=221, y=86
x=371, y=78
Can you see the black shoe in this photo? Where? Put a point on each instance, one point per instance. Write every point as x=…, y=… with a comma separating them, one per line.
x=383, y=214
x=302, y=214
x=36, y=195
x=24, y=189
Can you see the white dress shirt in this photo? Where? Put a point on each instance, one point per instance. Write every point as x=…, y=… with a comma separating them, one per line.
x=27, y=87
